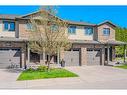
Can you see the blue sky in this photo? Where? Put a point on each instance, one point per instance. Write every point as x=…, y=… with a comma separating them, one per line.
x=93, y=14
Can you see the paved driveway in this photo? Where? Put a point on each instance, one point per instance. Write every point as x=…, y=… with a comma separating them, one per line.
x=90, y=77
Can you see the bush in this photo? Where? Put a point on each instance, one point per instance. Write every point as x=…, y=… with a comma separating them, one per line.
x=42, y=68
x=30, y=69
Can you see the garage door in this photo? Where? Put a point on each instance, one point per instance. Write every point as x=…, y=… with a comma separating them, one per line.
x=8, y=56
x=93, y=56
x=71, y=58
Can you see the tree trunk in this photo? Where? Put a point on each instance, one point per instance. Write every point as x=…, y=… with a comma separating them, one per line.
x=49, y=60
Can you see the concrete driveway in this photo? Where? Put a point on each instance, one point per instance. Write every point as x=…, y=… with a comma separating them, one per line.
x=90, y=77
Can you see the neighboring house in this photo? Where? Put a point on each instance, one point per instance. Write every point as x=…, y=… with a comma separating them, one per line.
x=91, y=44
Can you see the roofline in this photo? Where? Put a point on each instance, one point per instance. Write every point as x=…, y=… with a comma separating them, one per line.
x=106, y=22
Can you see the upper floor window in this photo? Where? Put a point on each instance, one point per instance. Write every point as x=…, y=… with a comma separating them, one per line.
x=72, y=29
x=88, y=31
x=9, y=26
x=106, y=31
x=54, y=28
x=29, y=26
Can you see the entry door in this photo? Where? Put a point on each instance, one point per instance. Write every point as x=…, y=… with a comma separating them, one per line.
x=93, y=56
x=71, y=58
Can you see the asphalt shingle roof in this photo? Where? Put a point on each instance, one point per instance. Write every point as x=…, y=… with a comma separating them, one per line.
x=5, y=16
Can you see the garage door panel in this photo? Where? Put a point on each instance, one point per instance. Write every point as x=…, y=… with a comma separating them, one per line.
x=93, y=56
x=8, y=56
x=71, y=58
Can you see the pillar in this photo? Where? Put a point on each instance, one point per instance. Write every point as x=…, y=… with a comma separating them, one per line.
x=113, y=53
x=83, y=56
x=58, y=57
x=108, y=52
x=103, y=56
x=41, y=58
x=28, y=55
x=23, y=59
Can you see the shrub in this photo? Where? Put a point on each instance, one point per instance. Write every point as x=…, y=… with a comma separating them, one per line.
x=42, y=68
x=30, y=69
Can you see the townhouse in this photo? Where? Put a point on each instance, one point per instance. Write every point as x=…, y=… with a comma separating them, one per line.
x=91, y=44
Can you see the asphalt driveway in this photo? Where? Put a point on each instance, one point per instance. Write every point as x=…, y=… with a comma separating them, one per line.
x=90, y=77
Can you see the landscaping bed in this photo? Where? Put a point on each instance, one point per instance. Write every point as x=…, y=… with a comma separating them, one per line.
x=124, y=66
x=42, y=73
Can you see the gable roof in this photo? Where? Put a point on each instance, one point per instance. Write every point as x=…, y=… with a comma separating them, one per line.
x=109, y=22
x=69, y=22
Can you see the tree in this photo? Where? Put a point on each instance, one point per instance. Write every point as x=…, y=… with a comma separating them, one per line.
x=48, y=33
x=121, y=35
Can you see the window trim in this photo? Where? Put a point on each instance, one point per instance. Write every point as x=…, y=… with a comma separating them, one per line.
x=87, y=33
x=106, y=34
x=72, y=33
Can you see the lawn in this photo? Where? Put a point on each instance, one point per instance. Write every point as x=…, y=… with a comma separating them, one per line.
x=124, y=66
x=54, y=73
x=120, y=58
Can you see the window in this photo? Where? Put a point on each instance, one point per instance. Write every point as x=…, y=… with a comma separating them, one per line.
x=5, y=25
x=29, y=26
x=72, y=29
x=88, y=31
x=54, y=28
x=9, y=26
x=12, y=26
x=106, y=31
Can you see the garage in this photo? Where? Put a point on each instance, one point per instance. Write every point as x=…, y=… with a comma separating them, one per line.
x=72, y=58
x=93, y=56
x=9, y=56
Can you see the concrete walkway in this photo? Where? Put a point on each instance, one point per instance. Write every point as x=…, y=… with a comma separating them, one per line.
x=90, y=77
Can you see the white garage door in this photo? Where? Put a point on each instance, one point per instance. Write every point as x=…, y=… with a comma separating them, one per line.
x=93, y=56
x=71, y=58
x=8, y=56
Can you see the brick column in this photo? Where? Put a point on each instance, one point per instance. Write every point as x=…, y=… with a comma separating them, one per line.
x=83, y=56
x=23, y=59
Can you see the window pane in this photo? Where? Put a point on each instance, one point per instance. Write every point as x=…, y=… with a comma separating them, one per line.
x=5, y=25
x=54, y=28
x=12, y=26
x=106, y=31
x=88, y=31
x=29, y=26
x=72, y=30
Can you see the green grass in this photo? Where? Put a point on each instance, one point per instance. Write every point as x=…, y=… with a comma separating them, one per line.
x=54, y=73
x=124, y=66
x=120, y=58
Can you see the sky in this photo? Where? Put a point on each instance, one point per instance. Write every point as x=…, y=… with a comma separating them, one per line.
x=91, y=14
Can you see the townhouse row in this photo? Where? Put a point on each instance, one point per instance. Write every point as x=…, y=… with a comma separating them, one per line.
x=91, y=44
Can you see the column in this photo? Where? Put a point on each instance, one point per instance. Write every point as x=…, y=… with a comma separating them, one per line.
x=103, y=56
x=42, y=58
x=28, y=55
x=23, y=59
x=108, y=52
x=113, y=53
x=83, y=56
x=58, y=57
